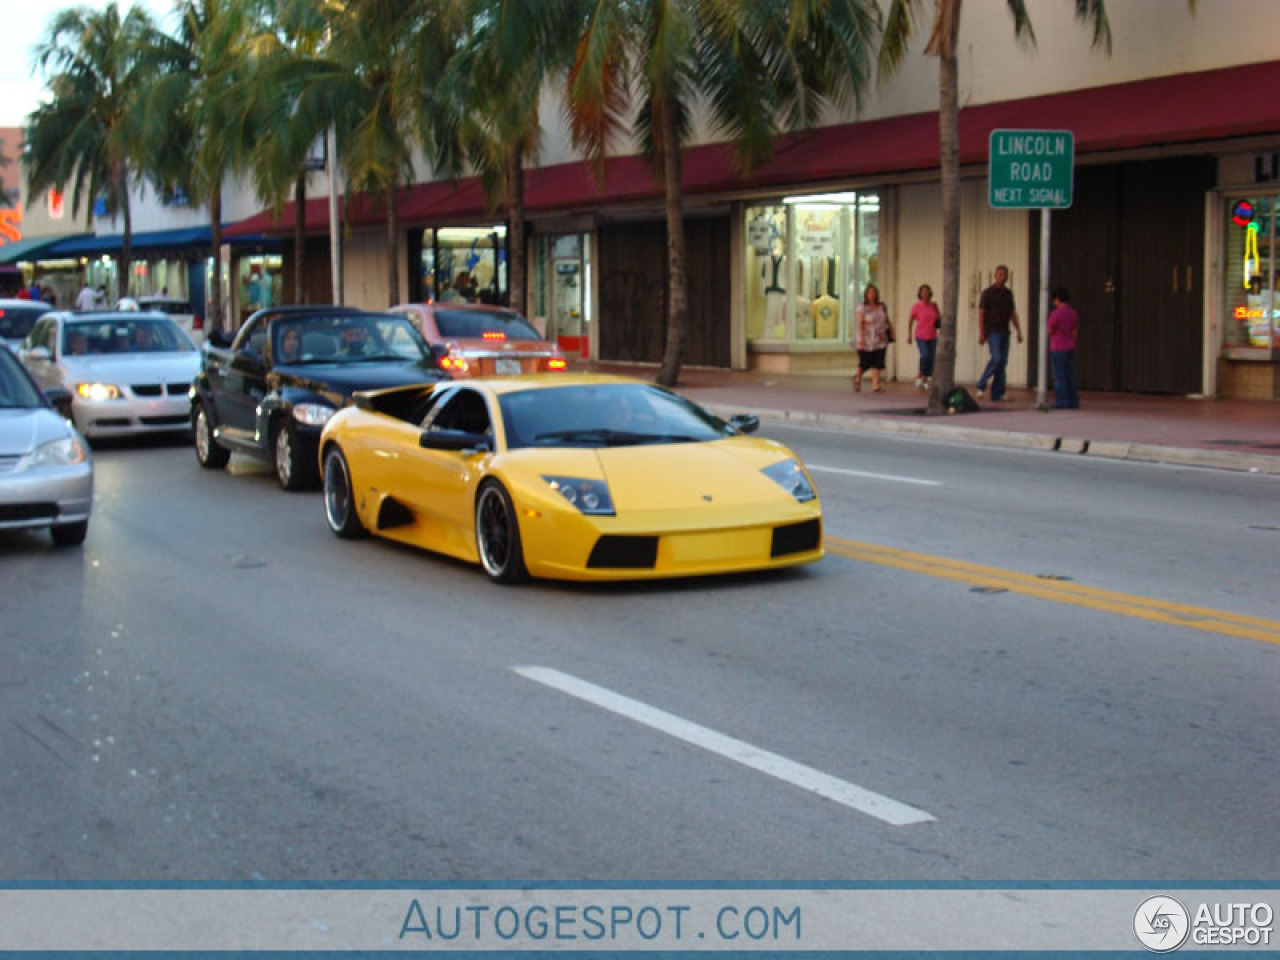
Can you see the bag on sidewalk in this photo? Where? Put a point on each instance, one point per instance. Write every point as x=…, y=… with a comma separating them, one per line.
x=960, y=400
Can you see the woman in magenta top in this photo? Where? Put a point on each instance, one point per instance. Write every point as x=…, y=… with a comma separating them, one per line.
x=923, y=327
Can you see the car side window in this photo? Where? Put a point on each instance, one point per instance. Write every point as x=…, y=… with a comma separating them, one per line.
x=465, y=411
x=253, y=339
x=48, y=336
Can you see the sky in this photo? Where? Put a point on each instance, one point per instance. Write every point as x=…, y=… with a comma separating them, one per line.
x=25, y=23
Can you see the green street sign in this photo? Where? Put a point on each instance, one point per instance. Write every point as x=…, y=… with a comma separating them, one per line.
x=1031, y=169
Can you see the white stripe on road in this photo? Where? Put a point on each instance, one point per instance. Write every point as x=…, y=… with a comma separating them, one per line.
x=876, y=476
x=797, y=774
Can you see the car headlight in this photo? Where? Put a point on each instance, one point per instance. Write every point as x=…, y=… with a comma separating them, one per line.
x=59, y=453
x=589, y=496
x=790, y=476
x=313, y=414
x=98, y=392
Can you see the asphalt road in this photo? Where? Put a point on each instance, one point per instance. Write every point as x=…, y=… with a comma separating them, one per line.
x=216, y=688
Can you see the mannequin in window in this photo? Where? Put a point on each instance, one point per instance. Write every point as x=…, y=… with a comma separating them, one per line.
x=773, y=271
x=826, y=308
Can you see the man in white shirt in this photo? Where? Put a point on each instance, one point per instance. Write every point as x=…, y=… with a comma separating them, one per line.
x=87, y=299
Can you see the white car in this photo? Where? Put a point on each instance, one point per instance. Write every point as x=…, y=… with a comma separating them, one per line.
x=17, y=317
x=177, y=309
x=128, y=372
x=46, y=472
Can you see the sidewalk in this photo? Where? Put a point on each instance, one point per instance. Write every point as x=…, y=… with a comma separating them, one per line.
x=1223, y=434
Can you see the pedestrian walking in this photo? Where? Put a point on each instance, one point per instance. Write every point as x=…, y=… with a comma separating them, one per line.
x=1064, y=326
x=996, y=314
x=86, y=299
x=874, y=334
x=923, y=328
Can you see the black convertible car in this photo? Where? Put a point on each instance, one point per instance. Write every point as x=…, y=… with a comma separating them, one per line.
x=288, y=370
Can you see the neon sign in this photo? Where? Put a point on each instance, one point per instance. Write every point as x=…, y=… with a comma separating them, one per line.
x=1251, y=261
x=11, y=225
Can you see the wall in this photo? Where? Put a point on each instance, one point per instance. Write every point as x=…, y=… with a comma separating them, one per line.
x=987, y=238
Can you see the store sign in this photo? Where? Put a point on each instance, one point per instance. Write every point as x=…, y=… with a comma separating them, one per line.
x=11, y=225
x=1031, y=169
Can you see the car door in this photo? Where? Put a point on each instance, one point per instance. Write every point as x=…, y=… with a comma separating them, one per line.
x=242, y=382
x=440, y=485
x=43, y=368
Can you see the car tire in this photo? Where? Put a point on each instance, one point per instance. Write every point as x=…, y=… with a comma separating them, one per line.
x=69, y=534
x=339, y=500
x=291, y=470
x=498, y=535
x=210, y=455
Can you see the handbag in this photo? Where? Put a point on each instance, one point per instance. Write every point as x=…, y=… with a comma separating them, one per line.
x=888, y=329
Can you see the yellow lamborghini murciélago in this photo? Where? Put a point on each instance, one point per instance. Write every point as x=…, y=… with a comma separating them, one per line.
x=579, y=477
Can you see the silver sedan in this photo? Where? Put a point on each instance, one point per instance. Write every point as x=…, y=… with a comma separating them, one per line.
x=46, y=474
x=128, y=372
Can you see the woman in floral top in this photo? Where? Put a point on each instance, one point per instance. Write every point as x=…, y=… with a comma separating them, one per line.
x=873, y=328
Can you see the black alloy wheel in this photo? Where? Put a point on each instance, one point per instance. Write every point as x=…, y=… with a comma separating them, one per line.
x=498, y=535
x=339, y=501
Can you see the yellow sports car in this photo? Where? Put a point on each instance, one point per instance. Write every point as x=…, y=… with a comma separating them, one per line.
x=577, y=477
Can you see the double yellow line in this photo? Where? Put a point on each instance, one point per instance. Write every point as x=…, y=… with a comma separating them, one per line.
x=1060, y=591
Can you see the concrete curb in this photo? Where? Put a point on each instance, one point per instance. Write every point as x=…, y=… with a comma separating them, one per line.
x=978, y=436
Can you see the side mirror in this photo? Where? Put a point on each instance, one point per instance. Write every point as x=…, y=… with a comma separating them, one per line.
x=745, y=422
x=250, y=362
x=37, y=353
x=454, y=440
x=60, y=398
x=218, y=338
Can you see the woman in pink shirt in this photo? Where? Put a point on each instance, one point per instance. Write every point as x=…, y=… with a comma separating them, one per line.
x=923, y=327
x=1063, y=327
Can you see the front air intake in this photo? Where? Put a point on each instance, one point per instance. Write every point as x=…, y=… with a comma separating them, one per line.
x=629, y=553
x=796, y=538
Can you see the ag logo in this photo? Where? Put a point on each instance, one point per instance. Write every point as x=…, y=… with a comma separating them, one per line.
x=1161, y=924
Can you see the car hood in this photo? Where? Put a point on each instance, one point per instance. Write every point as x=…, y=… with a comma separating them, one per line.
x=133, y=367
x=347, y=378
x=691, y=475
x=25, y=428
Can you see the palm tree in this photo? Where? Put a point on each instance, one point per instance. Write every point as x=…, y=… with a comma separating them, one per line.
x=196, y=133
x=759, y=67
x=486, y=104
x=291, y=33
x=943, y=44
x=372, y=82
x=88, y=134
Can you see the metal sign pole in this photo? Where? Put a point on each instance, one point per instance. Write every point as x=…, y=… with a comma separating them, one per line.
x=1042, y=382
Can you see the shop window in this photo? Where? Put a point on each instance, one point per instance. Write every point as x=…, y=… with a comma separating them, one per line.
x=465, y=264
x=260, y=280
x=808, y=260
x=1252, y=308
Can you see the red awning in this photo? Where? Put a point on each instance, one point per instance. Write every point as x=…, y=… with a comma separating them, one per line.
x=1184, y=108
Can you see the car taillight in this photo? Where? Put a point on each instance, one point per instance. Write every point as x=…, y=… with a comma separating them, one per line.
x=557, y=363
x=453, y=359
x=197, y=322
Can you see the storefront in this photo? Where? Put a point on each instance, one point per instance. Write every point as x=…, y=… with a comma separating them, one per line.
x=808, y=260
x=1248, y=304
x=560, y=282
x=461, y=263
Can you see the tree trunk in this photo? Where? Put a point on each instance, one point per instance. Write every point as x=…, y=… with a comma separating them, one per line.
x=215, y=245
x=393, y=251
x=126, y=252
x=677, y=274
x=949, y=148
x=299, y=237
x=515, y=236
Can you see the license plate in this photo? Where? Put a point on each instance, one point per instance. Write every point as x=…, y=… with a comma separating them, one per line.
x=504, y=366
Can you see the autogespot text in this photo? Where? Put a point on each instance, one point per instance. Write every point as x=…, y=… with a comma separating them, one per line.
x=614, y=923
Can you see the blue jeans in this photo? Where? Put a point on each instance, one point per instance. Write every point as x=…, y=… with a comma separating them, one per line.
x=999, y=346
x=928, y=350
x=1063, y=363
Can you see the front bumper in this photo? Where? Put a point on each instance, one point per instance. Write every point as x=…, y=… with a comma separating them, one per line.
x=131, y=416
x=46, y=496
